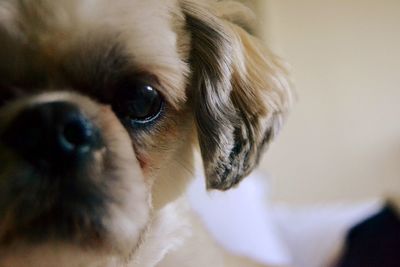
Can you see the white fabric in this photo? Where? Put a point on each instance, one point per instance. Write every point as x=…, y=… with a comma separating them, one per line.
x=243, y=222
x=239, y=220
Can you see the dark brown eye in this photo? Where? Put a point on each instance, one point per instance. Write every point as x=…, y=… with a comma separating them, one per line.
x=138, y=102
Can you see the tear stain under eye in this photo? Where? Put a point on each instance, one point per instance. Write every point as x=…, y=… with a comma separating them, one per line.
x=143, y=162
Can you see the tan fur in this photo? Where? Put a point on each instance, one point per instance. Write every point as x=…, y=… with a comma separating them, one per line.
x=224, y=93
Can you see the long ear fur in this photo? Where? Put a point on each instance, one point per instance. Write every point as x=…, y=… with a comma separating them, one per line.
x=239, y=91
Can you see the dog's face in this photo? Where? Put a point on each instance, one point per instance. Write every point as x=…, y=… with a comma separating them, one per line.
x=101, y=105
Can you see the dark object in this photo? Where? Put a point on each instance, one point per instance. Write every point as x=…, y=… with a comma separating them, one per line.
x=52, y=136
x=374, y=242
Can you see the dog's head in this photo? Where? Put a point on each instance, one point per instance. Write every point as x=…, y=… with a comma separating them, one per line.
x=102, y=103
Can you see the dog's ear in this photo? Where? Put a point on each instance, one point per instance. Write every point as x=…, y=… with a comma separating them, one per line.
x=239, y=92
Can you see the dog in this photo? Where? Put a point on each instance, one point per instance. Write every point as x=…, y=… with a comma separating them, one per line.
x=102, y=107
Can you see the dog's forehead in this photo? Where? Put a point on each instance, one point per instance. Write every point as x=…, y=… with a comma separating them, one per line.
x=147, y=34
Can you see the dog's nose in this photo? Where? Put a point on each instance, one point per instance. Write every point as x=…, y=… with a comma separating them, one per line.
x=52, y=135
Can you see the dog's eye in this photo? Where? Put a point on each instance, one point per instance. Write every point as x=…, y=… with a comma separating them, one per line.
x=138, y=102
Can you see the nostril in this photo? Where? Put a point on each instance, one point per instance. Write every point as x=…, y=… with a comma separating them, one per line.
x=77, y=134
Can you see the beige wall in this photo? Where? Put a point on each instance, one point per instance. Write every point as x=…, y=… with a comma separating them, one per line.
x=342, y=140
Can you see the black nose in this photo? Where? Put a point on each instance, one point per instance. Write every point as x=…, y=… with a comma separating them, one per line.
x=52, y=135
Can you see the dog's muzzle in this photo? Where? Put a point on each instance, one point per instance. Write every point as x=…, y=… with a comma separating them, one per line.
x=52, y=136
x=50, y=183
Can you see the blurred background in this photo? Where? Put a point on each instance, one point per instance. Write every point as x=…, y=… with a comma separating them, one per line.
x=342, y=139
